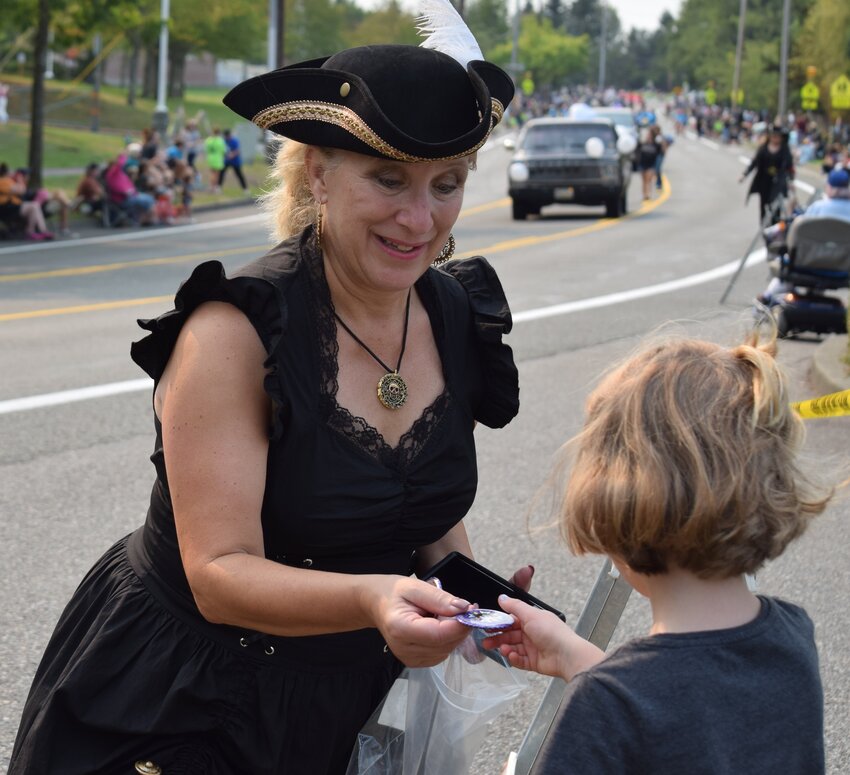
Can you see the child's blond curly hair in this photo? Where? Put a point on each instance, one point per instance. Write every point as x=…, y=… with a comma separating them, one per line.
x=688, y=458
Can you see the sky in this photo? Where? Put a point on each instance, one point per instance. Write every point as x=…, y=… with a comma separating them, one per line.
x=643, y=14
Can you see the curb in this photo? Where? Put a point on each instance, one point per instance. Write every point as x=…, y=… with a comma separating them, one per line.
x=829, y=371
x=207, y=208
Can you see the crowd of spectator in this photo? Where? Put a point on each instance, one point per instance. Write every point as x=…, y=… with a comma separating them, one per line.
x=26, y=208
x=810, y=138
x=152, y=181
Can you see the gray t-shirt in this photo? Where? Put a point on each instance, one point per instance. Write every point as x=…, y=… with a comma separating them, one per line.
x=745, y=700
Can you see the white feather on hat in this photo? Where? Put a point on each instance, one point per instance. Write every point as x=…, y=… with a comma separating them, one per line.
x=447, y=32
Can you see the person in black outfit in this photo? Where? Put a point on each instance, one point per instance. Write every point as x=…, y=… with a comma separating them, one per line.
x=685, y=475
x=650, y=148
x=774, y=167
x=314, y=417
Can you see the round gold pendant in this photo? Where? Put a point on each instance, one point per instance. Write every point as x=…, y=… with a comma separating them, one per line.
x=392, y=391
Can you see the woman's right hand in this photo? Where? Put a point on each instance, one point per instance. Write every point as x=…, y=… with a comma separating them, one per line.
x=407, y=612
x=541, y=642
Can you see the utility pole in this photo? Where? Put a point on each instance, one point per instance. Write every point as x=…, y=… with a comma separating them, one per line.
x=160, y=116
x=783, y=64
x=271, y=37
x=36, y=148
x=603, y=45
x=95, y=111
x=515, y=66
x=274, y=60
x=281, y=26
x=739, y=53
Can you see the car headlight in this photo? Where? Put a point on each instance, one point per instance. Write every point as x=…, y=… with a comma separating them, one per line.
x=518, y=172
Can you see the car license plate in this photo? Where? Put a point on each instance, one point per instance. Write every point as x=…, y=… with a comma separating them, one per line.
x=565, y=193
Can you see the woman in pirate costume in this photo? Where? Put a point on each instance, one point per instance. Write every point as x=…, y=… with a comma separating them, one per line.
x=314, y=445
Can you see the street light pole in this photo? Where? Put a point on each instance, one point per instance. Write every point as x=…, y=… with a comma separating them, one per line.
x=603, y=45
x=271, y=38
x=280, y=27
x=783, y=64
x=515, y=68
x=95, y=113
x=160, y=116
x=739, y=53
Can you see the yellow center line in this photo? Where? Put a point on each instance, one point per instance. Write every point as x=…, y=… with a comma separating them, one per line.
x=485, y=207
x=96, y=268
x=104, y=305
x=495, y=248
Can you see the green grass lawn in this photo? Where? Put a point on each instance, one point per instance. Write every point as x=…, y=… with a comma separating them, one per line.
x=69, y=103
x=62, y=147
x=69, y=141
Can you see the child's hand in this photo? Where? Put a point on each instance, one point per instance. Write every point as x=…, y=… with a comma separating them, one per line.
x=541, y=642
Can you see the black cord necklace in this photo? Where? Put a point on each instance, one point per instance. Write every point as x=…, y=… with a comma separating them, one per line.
x=392, y=389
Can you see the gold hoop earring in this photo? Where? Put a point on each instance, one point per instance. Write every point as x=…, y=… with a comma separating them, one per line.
x=319, y=227
x=447, y=252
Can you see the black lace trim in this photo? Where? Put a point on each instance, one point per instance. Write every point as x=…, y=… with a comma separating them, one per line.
x=338, y=418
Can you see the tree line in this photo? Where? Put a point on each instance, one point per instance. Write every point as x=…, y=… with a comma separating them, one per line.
x=557, y=42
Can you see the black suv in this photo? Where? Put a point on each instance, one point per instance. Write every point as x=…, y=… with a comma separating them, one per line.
x=569, y=161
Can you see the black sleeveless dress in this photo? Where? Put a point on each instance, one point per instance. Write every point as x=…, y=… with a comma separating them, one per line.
x=134, y=673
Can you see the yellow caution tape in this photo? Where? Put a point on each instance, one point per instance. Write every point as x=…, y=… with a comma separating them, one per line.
x=833, y=405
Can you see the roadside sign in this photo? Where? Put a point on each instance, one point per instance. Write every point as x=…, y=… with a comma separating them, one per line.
x=809, y=97
x=839, y=93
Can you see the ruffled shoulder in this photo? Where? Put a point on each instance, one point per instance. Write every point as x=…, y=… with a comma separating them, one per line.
x=491, y=318
x=261, y=290
x=254, y=296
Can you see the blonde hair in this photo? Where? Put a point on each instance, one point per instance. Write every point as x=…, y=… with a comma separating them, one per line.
x=688, y=457
x=290, y=205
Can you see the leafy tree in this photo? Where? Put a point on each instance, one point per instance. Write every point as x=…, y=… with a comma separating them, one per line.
x=315, y=28
x=824, y=42
x=389, y=24
x=489, y=22
x=137, y=19
x=703, y=46
x=584, y=17
x=556, y=12
x=641, y=57
x=224, y=28
x=549, y=55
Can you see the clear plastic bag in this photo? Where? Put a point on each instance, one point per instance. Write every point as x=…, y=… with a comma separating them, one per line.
x=433, y=720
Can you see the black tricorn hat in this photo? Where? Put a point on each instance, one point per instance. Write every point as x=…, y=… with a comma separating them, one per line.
x=405, y=103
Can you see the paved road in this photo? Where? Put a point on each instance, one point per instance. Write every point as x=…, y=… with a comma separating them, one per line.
x=75, y=476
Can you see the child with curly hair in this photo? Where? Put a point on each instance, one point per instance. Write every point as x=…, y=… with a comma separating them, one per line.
x=685, y=474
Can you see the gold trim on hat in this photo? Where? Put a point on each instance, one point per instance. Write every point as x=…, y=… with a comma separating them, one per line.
x=347, y=119
x=498, y=110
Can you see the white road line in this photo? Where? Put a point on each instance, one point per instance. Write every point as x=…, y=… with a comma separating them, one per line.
x=134, y=235
x=710, y=143
x=637, y=293
x=135, y=385
x=70, y=396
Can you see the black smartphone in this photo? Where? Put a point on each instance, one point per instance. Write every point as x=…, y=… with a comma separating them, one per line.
x=473, y=582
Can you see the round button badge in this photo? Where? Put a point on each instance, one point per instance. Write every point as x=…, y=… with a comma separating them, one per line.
x=486, y=619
